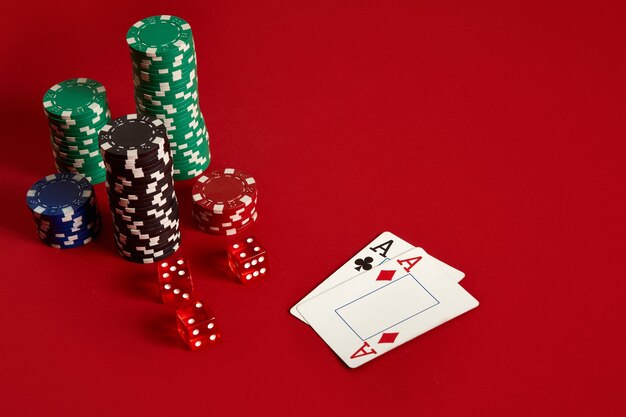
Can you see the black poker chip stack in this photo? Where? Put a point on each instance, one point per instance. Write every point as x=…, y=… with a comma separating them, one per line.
x=140, y=186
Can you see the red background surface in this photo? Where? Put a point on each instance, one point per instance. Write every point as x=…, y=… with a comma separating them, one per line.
x=490, y=134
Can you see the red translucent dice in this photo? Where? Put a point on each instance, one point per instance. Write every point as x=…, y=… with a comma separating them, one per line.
x=175, y=281
x=247, y=260
x=196, y=325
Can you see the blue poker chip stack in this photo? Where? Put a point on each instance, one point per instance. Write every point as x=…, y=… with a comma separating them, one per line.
x=65, y=210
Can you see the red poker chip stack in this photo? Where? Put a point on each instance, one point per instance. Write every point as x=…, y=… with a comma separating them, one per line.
x=224, y=202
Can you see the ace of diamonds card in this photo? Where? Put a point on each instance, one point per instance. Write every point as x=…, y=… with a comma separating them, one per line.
x=385, y=307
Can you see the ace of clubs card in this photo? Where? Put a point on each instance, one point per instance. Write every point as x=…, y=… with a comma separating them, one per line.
x=386, y=306
x=384, y=247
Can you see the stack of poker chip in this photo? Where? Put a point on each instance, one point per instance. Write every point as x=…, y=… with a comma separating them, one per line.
x=65, y=210
x=76, y=110
x=224, y=202
x=166, y=87
x=140, y=187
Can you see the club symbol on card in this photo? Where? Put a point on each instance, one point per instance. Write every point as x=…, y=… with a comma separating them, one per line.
x=365, y=263
x=388, y=337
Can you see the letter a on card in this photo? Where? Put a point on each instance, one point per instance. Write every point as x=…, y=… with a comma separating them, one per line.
x=411, y=261
x=363, y=351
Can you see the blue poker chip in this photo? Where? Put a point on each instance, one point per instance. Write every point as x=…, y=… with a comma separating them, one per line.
x=83, y=231
x=82, y=223
x=59, y=195
x=65, y=210
x=68, y=244
x=68, y=222
x=56, y=233
x=68, y=240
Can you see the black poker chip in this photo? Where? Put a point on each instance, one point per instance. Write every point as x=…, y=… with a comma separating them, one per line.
x=140, y=186
x=137, y=204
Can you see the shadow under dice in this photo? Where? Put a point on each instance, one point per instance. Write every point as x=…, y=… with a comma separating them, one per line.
x=247, y=260
x=196, y=325
x=175, y=281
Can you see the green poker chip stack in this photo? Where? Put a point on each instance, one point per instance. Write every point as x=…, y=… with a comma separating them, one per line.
x=166, y=86
x=77, y=109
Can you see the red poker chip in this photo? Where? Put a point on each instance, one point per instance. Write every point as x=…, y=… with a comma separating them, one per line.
x=224, y=192
x=228, y=231
x=228, y=225
x=224, y=225
x=227, y=212
x=223, y=218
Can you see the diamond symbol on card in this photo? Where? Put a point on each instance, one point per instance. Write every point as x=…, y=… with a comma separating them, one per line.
x=388, y=337
x=385, y=275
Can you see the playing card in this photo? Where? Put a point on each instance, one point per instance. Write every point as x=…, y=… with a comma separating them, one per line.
x=380, y=309
x=384, y=247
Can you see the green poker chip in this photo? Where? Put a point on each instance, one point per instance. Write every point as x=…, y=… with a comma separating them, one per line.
x=74, y=155
x=160, y=36
x=160, y=60
x=185, y=132
x=76, y=110
x=160, y=100
x=78, y=131
x=164, y=70
x=68, y=123
x=78, y=149
x=186, y=173
x=158, y=67
x=191, y=140
x=182, y=100
x=193, y=162
x=75, y=99
x=185, y=65
x=158, y=87
x=187, y=110
x=185, y=136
